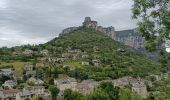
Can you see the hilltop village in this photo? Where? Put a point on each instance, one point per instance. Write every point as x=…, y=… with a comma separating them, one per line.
x=81, y=62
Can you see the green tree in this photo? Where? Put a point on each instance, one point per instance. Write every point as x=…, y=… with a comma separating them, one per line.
x=99, y=95
x=154, y=22
x=70, y=95
x=54, y=91
x=35, y=98
x=112, y=91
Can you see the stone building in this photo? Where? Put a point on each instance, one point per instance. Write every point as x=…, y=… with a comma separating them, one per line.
x=28, y=67
x=10, y=83
x=28, y=52
x=89, y=23
x=86, y=87
x=140, y=89
x=6, y=72
x=66, y=83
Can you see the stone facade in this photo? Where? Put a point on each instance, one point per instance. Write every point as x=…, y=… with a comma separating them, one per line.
x=140, y=89
x=66, y=83
x=86, y=87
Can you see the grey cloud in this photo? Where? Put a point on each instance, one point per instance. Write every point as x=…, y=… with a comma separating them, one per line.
x=42, y=20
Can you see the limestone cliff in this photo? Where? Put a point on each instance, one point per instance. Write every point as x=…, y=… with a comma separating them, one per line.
x=128, y=37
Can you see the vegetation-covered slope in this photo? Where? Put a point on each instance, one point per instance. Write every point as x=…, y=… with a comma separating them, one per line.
x=116, y=59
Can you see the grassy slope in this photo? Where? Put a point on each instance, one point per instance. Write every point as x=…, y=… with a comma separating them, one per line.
x=18, y=66
x=126, y=63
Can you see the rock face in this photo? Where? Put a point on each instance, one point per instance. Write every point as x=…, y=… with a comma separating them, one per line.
x=128, y=37
x=68, y=30
x=110, y=31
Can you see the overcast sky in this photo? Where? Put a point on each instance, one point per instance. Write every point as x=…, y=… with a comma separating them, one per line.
x=38, y=21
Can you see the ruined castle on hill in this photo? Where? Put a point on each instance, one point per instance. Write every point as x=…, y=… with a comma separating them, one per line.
x=128, y=37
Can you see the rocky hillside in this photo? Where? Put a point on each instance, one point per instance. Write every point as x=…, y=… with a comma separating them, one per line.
x=113, y=58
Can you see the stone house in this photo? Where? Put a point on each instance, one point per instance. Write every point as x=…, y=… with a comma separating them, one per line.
x=86, y=87
x=28, y=52
x=126, y=80
x=67, y=55
x=39, y=82
x=31, y=73
x=66, y=83
x=140, y=88
x=9, y=94
x=85, y=56
x=35, y=81
x=84, y=63
x=44, y=52
x=42, y=59
x=37, y=90
x=74, y=51
x=18, y=75
x=56, y=59
x=31, y=80
x=40, y=65
x=6, y=72
x=121, y=82
x=96, y=62
x=10, y=83
x=28, y=67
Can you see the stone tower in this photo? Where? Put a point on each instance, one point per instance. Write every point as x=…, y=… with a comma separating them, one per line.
x=87, y=19
x=89, y=23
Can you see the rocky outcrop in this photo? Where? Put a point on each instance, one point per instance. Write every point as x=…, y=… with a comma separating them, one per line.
x=128, y=37
x=68, y=30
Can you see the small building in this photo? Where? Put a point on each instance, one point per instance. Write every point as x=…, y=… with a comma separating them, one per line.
x=6, y=72
x=67, y=55
x=10, y=83
x=39, y=82
x=85, y=56
x=86, y=87
x=15, y=94
x=140, y=88
x=37, y=90
x=28, y=52
x=28, y=67
x=9, y=94
x=66, y=83
x=96, y=62
x=74, y=51
x=31, y=80
x=40, y=65
x=121, y=82
x=84, y=63
x=31, y=73
x=18, y=75
x=44, y=52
